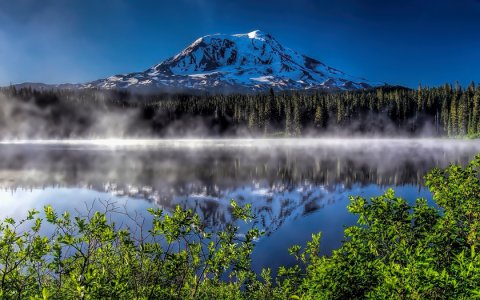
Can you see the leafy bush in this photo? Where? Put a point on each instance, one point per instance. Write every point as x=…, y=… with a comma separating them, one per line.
x=402, y=251
x=396, y=251
x=89, y=258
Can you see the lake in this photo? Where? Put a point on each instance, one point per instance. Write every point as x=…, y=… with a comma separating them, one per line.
x=296, y=186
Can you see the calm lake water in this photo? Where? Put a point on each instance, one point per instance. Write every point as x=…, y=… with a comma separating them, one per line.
x=296, y=187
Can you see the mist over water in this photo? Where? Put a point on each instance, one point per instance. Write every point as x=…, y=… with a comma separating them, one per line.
x=296, y=186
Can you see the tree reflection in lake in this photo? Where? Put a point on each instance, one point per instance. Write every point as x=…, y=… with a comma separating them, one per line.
x=287, y=182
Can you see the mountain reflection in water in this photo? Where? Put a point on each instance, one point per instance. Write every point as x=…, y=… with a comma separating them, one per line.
x=285, y=181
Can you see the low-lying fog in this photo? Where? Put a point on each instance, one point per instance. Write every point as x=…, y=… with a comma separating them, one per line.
x=146, y=162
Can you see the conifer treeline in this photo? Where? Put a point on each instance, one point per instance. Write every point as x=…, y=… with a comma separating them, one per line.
x=446, y=110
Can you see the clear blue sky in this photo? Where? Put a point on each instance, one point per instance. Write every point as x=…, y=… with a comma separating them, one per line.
x=401, y=42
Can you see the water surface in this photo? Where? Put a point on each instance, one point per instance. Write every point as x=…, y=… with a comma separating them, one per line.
x=296, y=187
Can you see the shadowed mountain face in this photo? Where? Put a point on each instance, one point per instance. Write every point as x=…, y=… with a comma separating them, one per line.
x=241, y=62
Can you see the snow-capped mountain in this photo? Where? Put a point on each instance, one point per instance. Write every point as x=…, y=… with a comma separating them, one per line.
x=252, y=61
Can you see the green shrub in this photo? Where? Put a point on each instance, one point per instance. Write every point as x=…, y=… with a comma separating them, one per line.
x=402, y=251
x=89, y=258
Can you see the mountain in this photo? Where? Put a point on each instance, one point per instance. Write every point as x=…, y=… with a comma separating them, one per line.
x=254, y=61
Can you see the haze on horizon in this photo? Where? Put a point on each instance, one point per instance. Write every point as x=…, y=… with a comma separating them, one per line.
x=403, y=42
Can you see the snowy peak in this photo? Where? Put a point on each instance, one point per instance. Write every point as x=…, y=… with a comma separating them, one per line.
x=215, y=51
x=256, y=34
x=250, y=61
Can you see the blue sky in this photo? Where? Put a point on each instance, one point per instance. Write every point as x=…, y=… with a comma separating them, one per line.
x=401, y=42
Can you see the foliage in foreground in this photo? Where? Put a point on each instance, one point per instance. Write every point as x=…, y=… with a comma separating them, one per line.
x=396, y=251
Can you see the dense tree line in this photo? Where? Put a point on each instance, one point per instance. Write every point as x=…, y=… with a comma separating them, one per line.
x=445, y=110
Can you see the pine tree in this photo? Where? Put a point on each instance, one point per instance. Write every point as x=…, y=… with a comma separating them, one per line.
x=297, y=126
x=340, y=111
x=268, y=112
x=318, y=116
x=252, y=120
x=471, y=89
x=476, y=111
x=288, y=118
x=453, y=120
x=462, y=115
